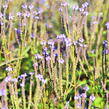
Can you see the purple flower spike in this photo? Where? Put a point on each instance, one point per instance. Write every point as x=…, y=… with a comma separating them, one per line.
x=14, y=80
x=61, y=36
x=1, y=15
x=24, y=6
x=2, y=92
x=44, y=81
x=68, y=42
x=61, y=61
x=75, y=7
x=85, y=13
x=35, y=64
x=84, y=5
x=32, y=35
x=8, y=79
x=42, y=1
x=81, y=9
x=86, y=88
x=22, y=84
x=31, y=7
x=64, y=4
x=23, y=76
x=4, y=107
x=92, y=97
x=11, y=17
x=105, y=51
x=83, y=95
x=105, y=43
x=5, y=6
x=107, y=25
x=48, y=58
x=50, y=42
x=9, y=69
x=19, y=14
x=38, y=56
x=31, y=73
x=39, y=76
x=76, y=97
x=81, y=40
x=43, y=43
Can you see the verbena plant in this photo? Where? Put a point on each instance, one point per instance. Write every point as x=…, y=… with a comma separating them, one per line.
x=54, y=54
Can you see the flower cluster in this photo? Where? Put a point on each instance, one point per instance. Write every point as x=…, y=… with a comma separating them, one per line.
x=9, y=69
x=41, y=78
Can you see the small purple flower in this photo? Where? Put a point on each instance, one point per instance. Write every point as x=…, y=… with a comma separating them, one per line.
x=14, y=80
x=74, y=42
x=68, y=42
x=39, y=76
x=84, y=5
x=86, y=88
x=10, y=0
x=85, y=46
x=76, y=97
x=60, y=9
x=32, y=35
x=75, y=7
x=23, y=76
x=5, y=6
x=81, y=9
x=45, y=53
x=67, y=102
x=83, y=95
x=105, y=43
x=61, y=36
x=93, y=51
x=18, y=33
x=85, y=13
x=24, y=6
x=94, y=22
x=61, y=61
x=50, y=42
x=55, y=55
x=40, y=10
x=48, y=25
x=11, y=17
x=105, y=51
x=43, y=43
x=81, y=40
x=44, y=81
x=35, y=64
x=1, y=23
x=42, y=1
x=31, y=7
x=19, y=14
x=107, y=25
x=4, y=107
x=8, y=79
x=79, y=106
x=9, y=69
x=35, y=13
x=81, y=45
x=48, y=58
x=45, y=49
x=1, y=15
x=36, y=17
x=22, y=84
x=38, y=56
x=31, y=73
x=64, y=4
x=92, y=97
x=2, y=92
x=27, y=14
